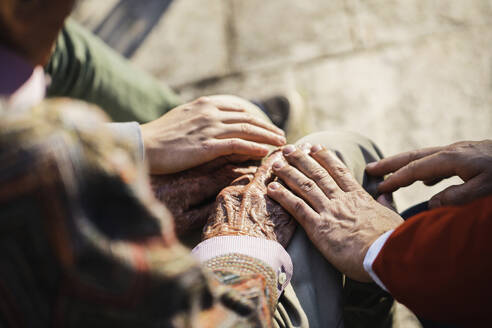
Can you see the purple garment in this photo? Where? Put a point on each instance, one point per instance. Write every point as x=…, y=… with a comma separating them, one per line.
x=14, y=71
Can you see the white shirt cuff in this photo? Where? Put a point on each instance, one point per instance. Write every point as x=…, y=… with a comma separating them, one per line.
x=371, y=255
x=268, y=251
x=130, y=131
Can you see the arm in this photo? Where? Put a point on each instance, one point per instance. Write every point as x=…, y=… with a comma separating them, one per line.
x=83, y=67
x=438, y=263
x=104, y=241
x=245, y=224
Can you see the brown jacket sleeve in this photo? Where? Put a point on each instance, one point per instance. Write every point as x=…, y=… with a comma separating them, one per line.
x=439, y=263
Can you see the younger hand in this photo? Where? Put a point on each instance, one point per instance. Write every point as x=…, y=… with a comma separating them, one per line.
x=338, y=215
x=205, y=129
x=470, y=160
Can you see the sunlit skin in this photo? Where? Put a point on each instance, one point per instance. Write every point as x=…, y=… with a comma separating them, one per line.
x=205, y=129
x=469, y=160
x=339, y=216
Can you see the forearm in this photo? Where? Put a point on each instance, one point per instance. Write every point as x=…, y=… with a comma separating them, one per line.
x=85, y=68
x=94, y=185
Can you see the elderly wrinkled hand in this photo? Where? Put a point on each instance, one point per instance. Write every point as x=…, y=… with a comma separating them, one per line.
x=470, y=160
x=205, y=129
x=338, y=215
x=243, y=209
x=190, y=194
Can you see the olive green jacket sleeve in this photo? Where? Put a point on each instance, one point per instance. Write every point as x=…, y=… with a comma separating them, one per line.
x=84, y=67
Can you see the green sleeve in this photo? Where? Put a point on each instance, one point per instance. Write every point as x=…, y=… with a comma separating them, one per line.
x=84, y=67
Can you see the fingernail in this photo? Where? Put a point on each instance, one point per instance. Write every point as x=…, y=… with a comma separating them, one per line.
x=371, y=165
x=435, y=203
x=278, y=165
x=282, y=140
x=306, y=147
x=264, y=150
x=288, y=149
x=273, y=186
x=316, y=149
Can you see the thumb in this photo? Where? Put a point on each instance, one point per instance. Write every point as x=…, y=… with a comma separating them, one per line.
x=460, y=194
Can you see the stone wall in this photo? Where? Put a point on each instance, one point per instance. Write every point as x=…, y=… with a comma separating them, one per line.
x=406, y=73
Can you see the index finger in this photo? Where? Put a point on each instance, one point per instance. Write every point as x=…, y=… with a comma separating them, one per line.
x=236, y=146
x=427, y=168
x=336, y=168
x=250, y=132
x=393, y=163
x=232, y=117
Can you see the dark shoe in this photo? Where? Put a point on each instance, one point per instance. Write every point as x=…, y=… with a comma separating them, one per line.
x=289, y=112
x=366, y=305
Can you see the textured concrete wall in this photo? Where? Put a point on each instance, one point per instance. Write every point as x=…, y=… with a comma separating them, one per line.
x=406, y=73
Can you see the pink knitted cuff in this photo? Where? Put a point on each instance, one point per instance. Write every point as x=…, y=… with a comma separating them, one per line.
x=267, y=251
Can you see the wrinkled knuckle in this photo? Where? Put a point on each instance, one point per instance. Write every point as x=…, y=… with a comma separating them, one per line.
x=245, y=128
x=206, y=116
x=340, y=170
x=327, y=183
x=410, y=169
x=412, y=156
x=206, y=146
x=307, y=186
x=459, y=144
x=187, y=107
x=297, y=155
x=320, y=174
x=448, y=154
x=248, y=117
x=206, y=119
x=233, y=145
x=203, y=101
x=298, y=206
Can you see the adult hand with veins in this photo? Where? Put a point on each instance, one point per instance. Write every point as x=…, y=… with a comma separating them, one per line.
x=205, y=129
x=339, y=216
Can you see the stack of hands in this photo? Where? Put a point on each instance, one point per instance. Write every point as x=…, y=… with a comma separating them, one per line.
x=216, y=142
x=343, y=220
x=205, y=129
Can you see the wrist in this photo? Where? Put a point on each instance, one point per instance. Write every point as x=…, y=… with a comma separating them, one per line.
x=218, y=229
x=152, y=151
x=371, y=255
